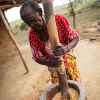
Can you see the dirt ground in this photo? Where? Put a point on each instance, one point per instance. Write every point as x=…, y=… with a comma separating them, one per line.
x=15, y=84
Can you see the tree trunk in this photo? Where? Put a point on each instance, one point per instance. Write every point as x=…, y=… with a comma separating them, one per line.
x=73, y=14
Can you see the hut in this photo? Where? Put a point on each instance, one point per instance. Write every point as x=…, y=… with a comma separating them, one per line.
x=8, y=43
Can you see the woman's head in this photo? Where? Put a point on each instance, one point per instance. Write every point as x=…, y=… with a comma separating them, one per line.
x=31, y=14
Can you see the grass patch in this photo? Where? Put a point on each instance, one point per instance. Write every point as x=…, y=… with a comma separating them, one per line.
x=82, y=22
x=95, y=6
x=15, y=33
x=85, y=17
x=16, y=22
x=86, y=9
x=98, y=18
x=79, y=12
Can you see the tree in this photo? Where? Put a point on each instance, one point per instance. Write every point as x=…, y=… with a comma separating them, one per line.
x=24, y=26
x=73, y=5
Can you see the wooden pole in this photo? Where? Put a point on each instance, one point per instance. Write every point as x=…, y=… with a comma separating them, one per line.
x=9, y=6
x=14, y=40
x=54, y=40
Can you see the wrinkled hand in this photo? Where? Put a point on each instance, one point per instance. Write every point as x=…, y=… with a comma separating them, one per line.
x=59, y=49
x=55, y=61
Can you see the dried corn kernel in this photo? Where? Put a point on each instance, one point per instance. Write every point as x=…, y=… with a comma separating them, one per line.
x=73, y=95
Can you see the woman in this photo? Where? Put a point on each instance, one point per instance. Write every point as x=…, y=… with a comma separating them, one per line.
x=31, y=14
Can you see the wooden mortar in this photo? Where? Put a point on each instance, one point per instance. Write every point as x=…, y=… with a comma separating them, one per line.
x=51, y=91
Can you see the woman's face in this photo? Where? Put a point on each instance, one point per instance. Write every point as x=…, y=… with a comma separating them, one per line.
x=33, y=19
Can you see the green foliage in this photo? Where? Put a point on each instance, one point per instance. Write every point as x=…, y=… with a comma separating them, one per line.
x=68, y=16
x=87, y=9
x=98, y=18
x=95, y=6
x=92, y=7
x=82, y=21
x=24, y=26
x=79, y=12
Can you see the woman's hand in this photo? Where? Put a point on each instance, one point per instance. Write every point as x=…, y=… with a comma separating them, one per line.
x=55, y=61
x=59, y=49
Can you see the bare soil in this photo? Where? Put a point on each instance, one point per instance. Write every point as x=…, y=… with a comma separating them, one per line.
x=15, y=84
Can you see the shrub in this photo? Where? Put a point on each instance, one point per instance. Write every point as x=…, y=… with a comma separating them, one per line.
x=98, y=18
x=95, y=6
x=68, y=16
x=98, y=6
x=24, y=26
x=79, y=12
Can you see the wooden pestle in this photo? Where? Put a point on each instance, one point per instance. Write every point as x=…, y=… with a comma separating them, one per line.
x=54, y=40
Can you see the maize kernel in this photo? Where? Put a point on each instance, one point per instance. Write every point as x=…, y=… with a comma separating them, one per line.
x=72, y=92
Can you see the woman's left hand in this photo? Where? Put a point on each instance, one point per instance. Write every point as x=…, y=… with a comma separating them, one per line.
x=59, y=49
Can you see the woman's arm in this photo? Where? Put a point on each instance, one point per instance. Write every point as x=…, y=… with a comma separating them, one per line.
x=61, y=50
x=73, y=43
x=42, y=61
x=55, y=61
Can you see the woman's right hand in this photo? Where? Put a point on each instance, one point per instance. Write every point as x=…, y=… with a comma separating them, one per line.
x=55, y=61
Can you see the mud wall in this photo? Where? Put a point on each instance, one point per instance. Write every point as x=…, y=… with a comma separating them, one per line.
x=7, y=46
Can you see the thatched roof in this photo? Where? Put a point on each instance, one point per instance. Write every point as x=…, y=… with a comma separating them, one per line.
x=6, y=4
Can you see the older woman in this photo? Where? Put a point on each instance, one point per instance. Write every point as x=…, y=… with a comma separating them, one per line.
x=31, y=14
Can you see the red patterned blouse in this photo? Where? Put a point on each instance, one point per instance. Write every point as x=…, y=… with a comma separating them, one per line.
x=43, y=48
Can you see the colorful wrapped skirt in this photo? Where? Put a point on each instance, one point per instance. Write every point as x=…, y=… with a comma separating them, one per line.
x=70, y=66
